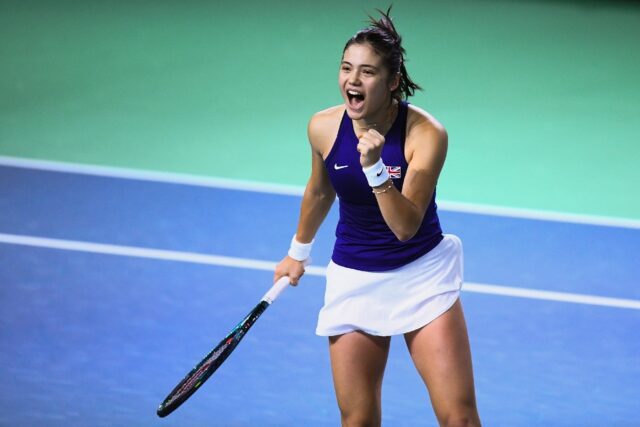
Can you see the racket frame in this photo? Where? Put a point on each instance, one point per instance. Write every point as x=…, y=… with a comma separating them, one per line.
x=216, y=357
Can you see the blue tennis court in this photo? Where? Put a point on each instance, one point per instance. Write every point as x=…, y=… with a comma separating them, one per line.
x=112, y=288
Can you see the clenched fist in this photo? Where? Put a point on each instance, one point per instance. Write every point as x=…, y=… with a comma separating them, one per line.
x=370, y=145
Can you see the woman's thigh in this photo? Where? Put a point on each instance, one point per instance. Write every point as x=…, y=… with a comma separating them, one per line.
x=442, y=355
x=358, y=361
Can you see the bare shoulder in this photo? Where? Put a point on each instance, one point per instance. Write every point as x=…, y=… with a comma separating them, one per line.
x=420, y=121
x=426, y=139
x=323, y=129
x=424, y=133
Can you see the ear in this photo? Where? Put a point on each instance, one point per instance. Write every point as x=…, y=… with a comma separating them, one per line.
x=394, y=82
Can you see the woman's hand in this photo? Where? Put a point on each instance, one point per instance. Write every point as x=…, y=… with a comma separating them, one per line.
x=370, y=146
x=291, y=268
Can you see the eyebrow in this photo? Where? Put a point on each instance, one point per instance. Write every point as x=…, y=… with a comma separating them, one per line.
x=363, y=65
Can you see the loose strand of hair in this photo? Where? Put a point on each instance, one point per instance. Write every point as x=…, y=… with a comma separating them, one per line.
x=408, y=86
x=385, y=24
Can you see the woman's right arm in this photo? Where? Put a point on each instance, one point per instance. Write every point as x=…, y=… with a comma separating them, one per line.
x=318, y=197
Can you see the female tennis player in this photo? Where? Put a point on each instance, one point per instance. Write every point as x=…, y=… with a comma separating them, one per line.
x=392, y=270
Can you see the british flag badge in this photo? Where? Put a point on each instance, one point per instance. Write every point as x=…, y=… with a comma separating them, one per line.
x=395, y=172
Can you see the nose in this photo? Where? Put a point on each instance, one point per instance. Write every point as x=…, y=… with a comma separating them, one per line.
x=354, y=77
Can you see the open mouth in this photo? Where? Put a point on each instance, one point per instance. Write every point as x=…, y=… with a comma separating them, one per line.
x=356, y=99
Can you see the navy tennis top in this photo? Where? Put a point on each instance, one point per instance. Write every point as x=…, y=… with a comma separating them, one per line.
x=363, y=239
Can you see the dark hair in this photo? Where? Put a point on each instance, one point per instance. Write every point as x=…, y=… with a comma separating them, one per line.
x=381, y=34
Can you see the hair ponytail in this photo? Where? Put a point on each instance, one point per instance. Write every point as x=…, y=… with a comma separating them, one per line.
x=382, y=35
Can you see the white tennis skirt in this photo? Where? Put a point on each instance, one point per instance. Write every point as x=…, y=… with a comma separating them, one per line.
x=393, y=302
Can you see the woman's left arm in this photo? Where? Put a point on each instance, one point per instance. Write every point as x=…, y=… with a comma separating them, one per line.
x=425, y=150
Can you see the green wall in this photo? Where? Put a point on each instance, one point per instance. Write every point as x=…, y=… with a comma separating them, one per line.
x=541, y=99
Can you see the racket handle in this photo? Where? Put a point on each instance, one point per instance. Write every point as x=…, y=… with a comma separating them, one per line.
x=276, y=290
x=278, y=287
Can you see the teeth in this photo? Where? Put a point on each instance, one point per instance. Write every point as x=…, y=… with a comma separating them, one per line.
x=353, y=92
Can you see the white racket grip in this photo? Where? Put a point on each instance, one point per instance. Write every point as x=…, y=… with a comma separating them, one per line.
x=275, y=291
x=278, y=287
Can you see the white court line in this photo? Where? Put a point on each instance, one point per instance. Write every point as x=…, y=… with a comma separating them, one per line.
x=197, y=258
x=291, y=190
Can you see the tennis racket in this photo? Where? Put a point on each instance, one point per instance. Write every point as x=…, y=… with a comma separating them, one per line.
x=212, y=361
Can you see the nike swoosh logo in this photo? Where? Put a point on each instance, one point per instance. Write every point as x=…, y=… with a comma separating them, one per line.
x=336, y=167
x=380, y=173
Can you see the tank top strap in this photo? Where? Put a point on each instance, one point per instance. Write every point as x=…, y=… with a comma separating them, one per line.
x=345, y=136
x=403, y=112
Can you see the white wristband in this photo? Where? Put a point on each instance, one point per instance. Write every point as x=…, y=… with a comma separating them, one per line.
x=376, y=174
x=300, y=251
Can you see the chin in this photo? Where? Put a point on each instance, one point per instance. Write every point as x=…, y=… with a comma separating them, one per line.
x=354, y=114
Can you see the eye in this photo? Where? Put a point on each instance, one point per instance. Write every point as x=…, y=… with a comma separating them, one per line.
x=345, y=68
x=368, y=72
